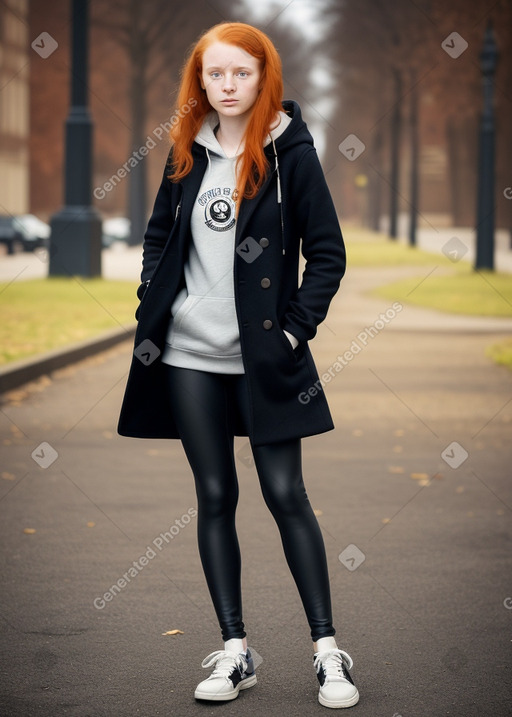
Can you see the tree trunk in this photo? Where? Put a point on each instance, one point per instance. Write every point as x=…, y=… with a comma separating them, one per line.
x=375, y=181
x=415, y=152
x=453, y=171
x=396, y=128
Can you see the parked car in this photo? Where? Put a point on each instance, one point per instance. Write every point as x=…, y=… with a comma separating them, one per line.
x=115, y=229
x=25, y=232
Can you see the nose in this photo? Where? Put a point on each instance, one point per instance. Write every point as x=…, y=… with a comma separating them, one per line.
x=229, y=83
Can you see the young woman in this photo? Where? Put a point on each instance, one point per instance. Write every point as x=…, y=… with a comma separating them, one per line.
x=222, y=340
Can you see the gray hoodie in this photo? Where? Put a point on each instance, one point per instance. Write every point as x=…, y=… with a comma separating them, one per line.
x=203, y=333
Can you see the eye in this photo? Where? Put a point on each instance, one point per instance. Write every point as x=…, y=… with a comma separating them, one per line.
x=243, y=74
x=215, y=75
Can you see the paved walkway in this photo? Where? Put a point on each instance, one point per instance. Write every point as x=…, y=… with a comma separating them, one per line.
x=413, y=495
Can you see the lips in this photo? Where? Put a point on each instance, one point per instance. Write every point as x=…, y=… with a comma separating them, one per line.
x=228, y=102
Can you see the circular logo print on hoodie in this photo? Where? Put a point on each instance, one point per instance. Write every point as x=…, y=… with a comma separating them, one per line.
x=219, y=214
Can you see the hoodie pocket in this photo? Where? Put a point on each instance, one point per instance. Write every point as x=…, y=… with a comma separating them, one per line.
x=206, y=325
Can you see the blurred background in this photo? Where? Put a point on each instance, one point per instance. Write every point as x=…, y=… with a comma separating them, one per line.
x=368, y=68
x=417, y=342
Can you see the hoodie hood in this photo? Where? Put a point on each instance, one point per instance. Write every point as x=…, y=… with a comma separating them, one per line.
x=296, y=132
x=206, y=135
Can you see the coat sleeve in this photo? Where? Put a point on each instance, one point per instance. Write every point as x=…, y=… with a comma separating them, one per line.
x=322, y=247
x=158, y=229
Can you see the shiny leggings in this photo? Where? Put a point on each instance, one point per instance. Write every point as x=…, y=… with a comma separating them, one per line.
x=203, y=405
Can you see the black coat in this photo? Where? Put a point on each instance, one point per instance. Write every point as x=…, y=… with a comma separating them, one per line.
x=286, y=396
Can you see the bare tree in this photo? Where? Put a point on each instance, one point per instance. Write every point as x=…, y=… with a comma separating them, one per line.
x=154, y=36
x=386, y=48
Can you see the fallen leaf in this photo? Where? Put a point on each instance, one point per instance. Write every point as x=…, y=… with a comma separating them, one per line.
x=386, y=520
x=173, y=632
x=91, y=524
x=396, y=469
x=419, y=476
x=29, y=531
x=8, y=476
x=317, y=511
x=399, y=432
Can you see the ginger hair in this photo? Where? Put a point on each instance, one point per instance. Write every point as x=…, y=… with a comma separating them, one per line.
x=252, y=164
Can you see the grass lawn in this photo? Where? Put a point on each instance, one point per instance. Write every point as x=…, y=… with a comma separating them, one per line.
x=474, y=293
x=45, y=314
x=369, y=248
x=501, y=353
x=462, y=291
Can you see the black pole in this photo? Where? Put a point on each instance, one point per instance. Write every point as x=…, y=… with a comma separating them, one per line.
x=485, y=197
x=75, y=240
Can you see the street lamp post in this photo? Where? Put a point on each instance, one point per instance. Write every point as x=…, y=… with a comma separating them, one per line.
x=485, y=197
x=75, y=240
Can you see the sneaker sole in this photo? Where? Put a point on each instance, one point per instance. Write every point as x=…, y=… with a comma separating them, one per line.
x=339, y=705
x=223, y=696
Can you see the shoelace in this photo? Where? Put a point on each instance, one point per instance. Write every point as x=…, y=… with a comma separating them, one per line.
x=224, y=663
x=333, y=662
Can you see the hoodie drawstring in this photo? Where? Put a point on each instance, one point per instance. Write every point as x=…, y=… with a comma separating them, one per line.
x=279, y=194
x=209, y=160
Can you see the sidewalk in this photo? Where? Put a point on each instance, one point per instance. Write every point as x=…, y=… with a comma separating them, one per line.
x=412, y=492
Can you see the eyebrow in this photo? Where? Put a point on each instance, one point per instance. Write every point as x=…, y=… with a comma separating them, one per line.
x=237, y=69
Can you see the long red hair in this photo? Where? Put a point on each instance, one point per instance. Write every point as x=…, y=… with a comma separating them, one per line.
x=252, y=164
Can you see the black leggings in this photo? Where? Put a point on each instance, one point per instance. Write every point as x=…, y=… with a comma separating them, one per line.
x=203, y=404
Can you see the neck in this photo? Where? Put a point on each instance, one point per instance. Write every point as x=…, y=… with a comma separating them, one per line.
x=230, y=134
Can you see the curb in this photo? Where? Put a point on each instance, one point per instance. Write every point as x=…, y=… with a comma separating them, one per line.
x=19, y=372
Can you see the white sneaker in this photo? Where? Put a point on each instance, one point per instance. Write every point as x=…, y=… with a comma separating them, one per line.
x=337, y=689
x=232, y=673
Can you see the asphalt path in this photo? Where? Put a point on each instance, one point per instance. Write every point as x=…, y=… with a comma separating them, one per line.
x=412, y=491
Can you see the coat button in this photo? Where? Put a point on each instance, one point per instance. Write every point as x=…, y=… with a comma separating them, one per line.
x=264, y=242
x=267, y=324
x=265, y=283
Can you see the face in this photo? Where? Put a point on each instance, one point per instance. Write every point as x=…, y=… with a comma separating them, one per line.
x=231, y=79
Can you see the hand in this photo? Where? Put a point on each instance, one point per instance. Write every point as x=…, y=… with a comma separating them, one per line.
x=294, y=342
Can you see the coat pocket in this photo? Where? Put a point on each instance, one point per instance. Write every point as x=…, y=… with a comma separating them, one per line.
x=294, y=353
